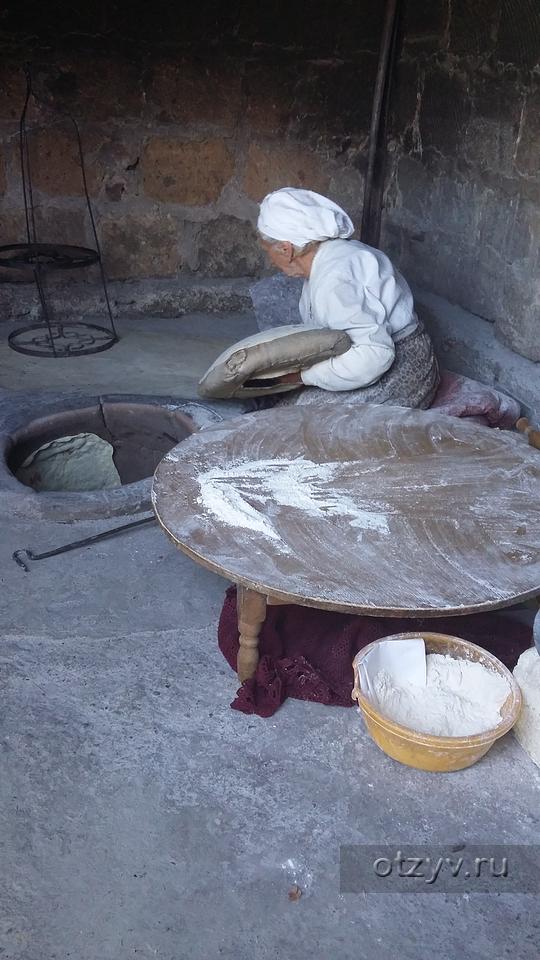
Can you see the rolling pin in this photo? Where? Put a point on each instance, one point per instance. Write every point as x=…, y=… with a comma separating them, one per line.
x=533, y=436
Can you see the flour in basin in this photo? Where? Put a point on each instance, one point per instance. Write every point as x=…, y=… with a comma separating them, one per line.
x=242, y=494
x=460, y=698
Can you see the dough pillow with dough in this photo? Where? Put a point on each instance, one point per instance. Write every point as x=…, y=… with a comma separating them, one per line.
x=249, y=368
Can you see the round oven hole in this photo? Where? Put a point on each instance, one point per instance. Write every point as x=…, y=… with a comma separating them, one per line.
x=96, y=448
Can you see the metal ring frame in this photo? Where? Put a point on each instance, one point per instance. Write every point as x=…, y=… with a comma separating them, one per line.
x=53, y=338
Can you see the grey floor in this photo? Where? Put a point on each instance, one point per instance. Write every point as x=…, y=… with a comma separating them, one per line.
x=154, y=355
x=142, y=817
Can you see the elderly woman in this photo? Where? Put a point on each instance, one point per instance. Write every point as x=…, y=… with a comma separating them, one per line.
x=352, y=287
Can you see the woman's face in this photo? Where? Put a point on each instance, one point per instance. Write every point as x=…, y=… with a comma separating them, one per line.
x=281, y=255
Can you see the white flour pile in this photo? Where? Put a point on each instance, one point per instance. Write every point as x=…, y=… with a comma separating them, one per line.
x=239, y=496
x=461, y=697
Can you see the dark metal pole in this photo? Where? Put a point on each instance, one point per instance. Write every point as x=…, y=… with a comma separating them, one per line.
x=374, y=185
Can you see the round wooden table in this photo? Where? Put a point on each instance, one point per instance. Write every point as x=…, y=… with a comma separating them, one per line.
x=364, y=509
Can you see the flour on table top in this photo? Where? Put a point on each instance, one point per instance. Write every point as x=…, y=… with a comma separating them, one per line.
x=240, y=495
x=460, y=698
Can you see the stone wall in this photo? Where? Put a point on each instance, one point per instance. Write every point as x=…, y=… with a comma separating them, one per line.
x=185, y=126
x=463, y=198
x=189, y=114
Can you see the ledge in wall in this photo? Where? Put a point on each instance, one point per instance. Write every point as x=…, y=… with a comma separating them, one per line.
x=466, y=344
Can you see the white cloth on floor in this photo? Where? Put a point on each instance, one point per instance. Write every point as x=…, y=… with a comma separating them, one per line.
x=301, y=216
x=355, y=288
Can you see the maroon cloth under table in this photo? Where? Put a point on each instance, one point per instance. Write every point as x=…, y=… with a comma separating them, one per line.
x=307, y=654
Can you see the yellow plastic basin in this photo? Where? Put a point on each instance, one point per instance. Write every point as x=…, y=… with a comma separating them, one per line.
x=424, y=750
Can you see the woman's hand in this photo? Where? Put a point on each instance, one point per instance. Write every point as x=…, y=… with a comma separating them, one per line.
x=295, y=377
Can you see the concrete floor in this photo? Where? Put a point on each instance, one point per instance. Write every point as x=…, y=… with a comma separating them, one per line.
x=141, y=817
x=154, y=356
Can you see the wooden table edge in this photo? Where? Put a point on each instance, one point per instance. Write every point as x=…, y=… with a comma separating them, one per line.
x=253, y=598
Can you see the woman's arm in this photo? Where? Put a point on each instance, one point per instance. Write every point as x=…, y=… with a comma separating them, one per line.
x=362, y=316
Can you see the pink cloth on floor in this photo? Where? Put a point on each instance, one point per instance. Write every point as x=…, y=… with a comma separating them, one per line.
x=307, y=654
x=459, y=396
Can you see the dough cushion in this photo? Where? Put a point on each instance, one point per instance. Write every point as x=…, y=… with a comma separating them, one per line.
x=250, y=367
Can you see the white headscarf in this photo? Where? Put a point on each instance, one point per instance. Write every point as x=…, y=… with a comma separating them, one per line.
x=300, y=216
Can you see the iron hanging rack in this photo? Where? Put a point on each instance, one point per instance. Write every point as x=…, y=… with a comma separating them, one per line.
x=53, y=338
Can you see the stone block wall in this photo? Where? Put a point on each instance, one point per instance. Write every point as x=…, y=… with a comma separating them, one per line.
x=185, y=125
x=190, y=114
x=462, y=208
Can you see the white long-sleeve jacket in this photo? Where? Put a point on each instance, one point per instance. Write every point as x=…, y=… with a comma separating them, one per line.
x=355, y=288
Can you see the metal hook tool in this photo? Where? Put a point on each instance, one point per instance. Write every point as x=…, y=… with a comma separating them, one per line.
x=21, y=557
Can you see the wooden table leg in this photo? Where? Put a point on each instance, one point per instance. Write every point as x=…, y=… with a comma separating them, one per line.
x=251, y=616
